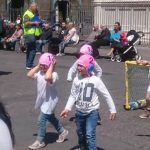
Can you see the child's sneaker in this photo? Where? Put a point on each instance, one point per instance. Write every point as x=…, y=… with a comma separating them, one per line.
x=36, y=145
x=145, y=115
x=62, y=136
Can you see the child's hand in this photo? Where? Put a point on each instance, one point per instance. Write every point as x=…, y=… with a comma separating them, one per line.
x=138, y=61
x=54, y=61
x=112, y=116
x=143, y=62
x=69, y=80
x=64, y=113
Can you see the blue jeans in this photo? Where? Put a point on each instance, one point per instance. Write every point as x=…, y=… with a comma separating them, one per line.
x=63, y=44
x=39, y=44
x=43, y=118
x=31, y=49
x=86, y=129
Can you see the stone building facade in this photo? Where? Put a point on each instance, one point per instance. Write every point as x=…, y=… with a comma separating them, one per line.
x=47, y=8
x=132, y=14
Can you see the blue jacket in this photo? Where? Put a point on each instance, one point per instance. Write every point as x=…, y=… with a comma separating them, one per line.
x=114, y=35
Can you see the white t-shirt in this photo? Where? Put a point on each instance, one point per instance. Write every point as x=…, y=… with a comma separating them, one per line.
x=75, y=36
x=47, y=96
x=84, y=94
x=5, y=138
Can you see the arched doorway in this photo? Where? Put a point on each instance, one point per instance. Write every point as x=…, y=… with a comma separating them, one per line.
x=15, y=9
x=63, y=10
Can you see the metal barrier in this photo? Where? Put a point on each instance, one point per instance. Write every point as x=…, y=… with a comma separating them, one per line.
x=131, y=15
x=83, y=18
x=12, y=13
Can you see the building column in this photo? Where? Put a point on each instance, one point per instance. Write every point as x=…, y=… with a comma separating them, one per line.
x=97, y=11
x=56, y=15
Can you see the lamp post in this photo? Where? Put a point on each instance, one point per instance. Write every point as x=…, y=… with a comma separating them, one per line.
x=56, y=15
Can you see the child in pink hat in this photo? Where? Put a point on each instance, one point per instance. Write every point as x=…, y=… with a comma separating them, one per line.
x=84, y=50
x=47, y=99
x=84, y=95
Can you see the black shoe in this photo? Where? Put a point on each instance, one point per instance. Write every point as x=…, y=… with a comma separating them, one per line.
x=97, y=57
x=99, y=122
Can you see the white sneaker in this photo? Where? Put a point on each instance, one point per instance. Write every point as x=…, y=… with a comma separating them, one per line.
x=38, y=53
x=28, y=68
x=62, y=136
x=36, y=145
x=145, y=115
x=60, y=54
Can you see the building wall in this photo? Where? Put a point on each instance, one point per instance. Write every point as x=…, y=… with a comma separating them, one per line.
x=2, y=7
x=133, y=14
x=44, y=8
x=120, y=1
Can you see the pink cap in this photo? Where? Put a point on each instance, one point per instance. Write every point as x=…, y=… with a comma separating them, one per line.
x=47, y=59
x=86, y=61
x=86, y=49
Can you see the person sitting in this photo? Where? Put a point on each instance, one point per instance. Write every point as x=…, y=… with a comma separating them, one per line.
x=115, y=37
x=123, y=38
x=58, y=38
x=71, y=38
x=10, y=29
x=11, y=41
x=1, y=31
x=18, y=20
x=63, y=31
x=45, y=37
x=103, y=39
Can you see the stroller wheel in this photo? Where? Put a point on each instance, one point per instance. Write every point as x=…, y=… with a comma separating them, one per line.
x=113, y=58
x=138, y=57
x=118, y=58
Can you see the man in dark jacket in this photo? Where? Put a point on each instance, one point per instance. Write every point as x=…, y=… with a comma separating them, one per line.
x=9, y=32
x=45, y=37
x=103, y=39
x=1, y=32
x=63, y=31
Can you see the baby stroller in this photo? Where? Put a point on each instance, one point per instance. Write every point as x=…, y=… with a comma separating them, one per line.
x=129, y=51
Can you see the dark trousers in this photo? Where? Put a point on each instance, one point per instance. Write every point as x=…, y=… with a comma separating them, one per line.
x=96, y=44
x=30, y=43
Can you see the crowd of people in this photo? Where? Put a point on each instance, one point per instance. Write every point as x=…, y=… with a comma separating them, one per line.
x=33, y=32
x=87, y=83
x=115, y=38
x=33, y=28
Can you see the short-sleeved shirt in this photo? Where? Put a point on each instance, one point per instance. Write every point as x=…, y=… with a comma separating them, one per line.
x=75, y=37
x=47, y=96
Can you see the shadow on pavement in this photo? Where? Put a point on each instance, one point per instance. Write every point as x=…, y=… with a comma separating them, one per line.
x=72, y=118
x=77, y=148
x=71, y=54
x=4, y=73
x=51, y=137
x=143, y=135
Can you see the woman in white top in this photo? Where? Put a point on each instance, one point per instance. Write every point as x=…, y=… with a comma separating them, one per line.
x=16, y=36
x=6, y=133
x=71, y=38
